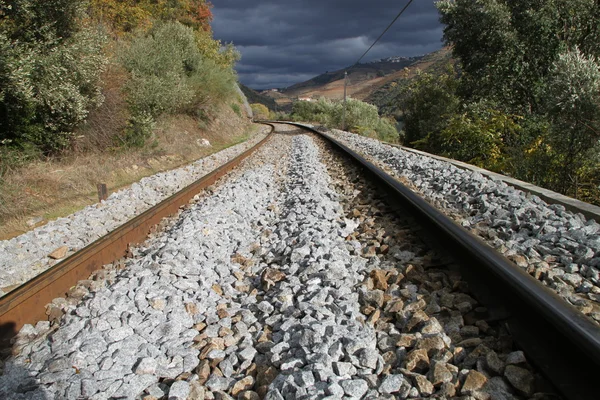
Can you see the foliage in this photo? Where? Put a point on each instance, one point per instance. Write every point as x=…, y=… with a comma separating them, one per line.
x=281, y=116
x=387, y=97
x=573, y=106
x=236, y=109
x=479, y=135
x=534, y=65
x=507, y=48
x=255, y=97
x=139, y=128
x=30, y=22
x=260, y=111
x=53, y=53
x=128, y=15
x=225, y=56
x=50, y=66
x=361, y=117
x=426, y=104
x=169, y=73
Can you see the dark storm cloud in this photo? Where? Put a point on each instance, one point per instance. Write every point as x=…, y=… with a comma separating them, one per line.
x=285, y=42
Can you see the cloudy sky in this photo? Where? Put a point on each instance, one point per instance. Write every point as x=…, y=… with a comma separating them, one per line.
x=288, y=41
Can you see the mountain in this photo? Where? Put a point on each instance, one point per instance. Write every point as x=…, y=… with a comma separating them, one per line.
x=255, y=97
x=367, y=82
x=331, y=84
x=385, y=94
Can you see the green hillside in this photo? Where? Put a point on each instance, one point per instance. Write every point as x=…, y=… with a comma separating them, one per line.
x=254, y=97
x=386, y=98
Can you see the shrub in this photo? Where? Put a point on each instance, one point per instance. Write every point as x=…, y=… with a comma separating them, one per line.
x=478, y=136
x=169, y=74
x=139, y=129
x=426, y=104
x=573, y=106
x=236, y=109
x=128, y=16
x=361, y=117
x=50, y=70
x=386, y=130
x=259, y=111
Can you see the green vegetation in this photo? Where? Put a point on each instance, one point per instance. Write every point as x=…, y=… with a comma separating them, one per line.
x=170, y=75
x=53, y=59
x=361, y=118
x=50, y=65
x=525, y=97
x=260, y=111
x=254, y=97
x=386, y=97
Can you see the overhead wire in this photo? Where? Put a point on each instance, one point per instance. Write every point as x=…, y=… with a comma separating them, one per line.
x=364, y=54
x=383, y=33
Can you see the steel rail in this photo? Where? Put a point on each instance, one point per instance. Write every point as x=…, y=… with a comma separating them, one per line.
x=26, y=304
x=562, y=342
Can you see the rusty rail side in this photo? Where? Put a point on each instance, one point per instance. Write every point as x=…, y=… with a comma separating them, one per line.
x=26, y=304
x=557, y=338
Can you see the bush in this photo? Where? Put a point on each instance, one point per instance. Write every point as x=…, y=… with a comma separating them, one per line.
x=478, y=136
x=386, y=130
x=573, y=107
x=260, y=111
x=139, y=129
x=361, y=117
x=169, y=74
x=49, y=73
x=426, y=104
x=281, y=116
x=236, y=109
x=129, y=16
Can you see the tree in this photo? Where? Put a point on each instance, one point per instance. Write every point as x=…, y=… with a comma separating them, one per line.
x=50, y=67
x=129, y=15
x=573, y=104
x=507, y=48
x=259, y=111
x=479, y=135
x=535, y=59
x=29, y=21
x=426, y=104
x=169, y=74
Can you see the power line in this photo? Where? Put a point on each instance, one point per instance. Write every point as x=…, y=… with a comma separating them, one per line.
x=364, y=54
x=383, y=33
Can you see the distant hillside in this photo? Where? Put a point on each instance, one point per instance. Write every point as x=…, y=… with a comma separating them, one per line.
x=360, y=73
x=254, y=97
x=385, y=96
x=368, y=82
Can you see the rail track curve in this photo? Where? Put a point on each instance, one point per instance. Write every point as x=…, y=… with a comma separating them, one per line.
x=26, y=304
x=557, y=338
x=563, y=342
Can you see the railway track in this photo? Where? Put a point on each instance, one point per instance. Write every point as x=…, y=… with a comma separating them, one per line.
x=299, y=276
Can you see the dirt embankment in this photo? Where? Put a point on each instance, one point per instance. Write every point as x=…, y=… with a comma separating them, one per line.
x=49, y=189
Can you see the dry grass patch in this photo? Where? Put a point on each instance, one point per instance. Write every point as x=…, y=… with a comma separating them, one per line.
x=58, y=187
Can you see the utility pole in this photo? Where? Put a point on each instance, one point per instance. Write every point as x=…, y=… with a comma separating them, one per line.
x=344, y=114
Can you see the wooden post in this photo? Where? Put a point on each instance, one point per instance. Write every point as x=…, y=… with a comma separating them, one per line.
x=344, y=114
x=102, y=191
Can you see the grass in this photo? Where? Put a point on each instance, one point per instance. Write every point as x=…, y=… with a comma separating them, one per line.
x=58, y=187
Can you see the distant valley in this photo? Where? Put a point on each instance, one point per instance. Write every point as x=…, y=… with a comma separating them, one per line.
x=369, y=82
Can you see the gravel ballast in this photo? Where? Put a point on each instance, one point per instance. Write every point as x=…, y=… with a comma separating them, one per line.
x=142, y=326
x=292, y=279
x=27, y=255
x=557, y=247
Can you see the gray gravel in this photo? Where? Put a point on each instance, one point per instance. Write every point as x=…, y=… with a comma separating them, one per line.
x=315, y=316
x=128, y=337
x=26, y=256
x=557, y=247
x=286, y=282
